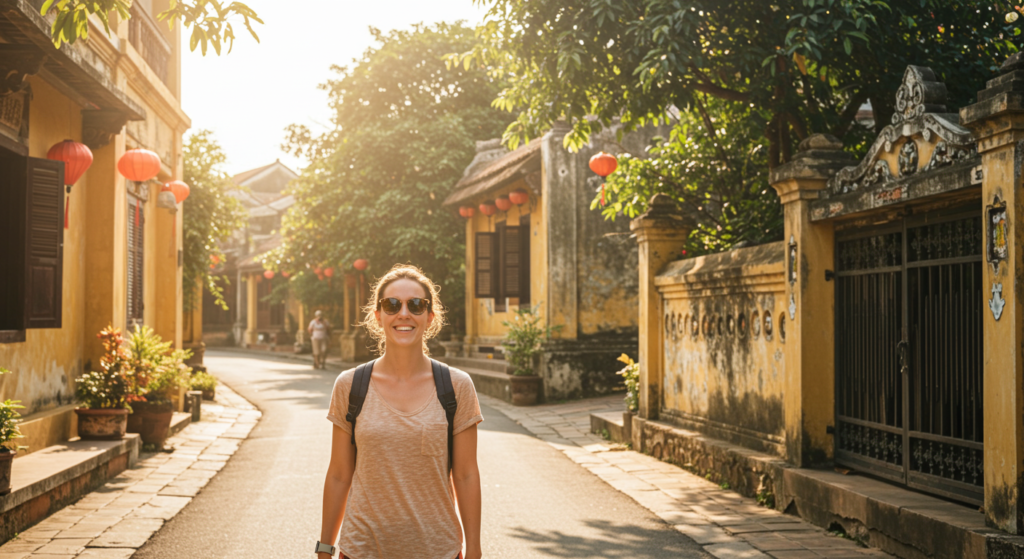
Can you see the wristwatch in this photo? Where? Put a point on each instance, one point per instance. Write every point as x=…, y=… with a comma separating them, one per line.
x=324, y=548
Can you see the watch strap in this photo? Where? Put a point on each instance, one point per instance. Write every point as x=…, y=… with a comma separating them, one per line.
x=324, y=548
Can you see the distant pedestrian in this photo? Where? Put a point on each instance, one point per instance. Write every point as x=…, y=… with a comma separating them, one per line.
x=320, y=336
x=397, y=497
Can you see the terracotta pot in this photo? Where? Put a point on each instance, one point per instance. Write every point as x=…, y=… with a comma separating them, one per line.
x=525, y=389
x=210, y=394
x=102, y=424
x=6, y=461
x=151, y=421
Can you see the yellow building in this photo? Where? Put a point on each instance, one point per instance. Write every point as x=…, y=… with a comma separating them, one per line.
x=118, y=261
x=553, y=254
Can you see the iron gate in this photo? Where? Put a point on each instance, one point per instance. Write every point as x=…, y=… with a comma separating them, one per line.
x=909, y=306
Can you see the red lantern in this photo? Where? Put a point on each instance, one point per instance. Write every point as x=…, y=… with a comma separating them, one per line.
x=269, y=274
x=360, y=264
x=77, y=159
x=488, y=208
x=318, y=271
x=329, y=272
x=139, y=165
x=180, y=190
x=519, y=196
x=215, y=259
x=286, y=274
x=466, y=212
x=603, y=164
x=503, y=203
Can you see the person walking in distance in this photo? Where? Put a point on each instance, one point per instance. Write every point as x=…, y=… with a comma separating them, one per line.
x=403, y=451
x=320, y=336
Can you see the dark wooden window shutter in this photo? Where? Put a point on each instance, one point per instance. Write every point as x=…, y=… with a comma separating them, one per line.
x=524, y=260
x=45, y=243
x=136, y=243
x=510, y=261
x=486, y=266
x=12, y=244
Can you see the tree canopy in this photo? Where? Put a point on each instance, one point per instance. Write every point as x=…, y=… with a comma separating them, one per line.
x=404, y=130
x=211, y=215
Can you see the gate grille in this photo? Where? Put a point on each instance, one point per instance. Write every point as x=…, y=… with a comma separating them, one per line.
x=908, y=354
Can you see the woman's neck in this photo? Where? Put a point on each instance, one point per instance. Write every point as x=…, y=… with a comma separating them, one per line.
x=403, y=362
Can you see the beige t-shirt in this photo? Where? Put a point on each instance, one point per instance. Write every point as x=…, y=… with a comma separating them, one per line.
x=401, y=504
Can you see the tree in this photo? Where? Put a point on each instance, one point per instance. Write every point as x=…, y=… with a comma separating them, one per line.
x=404, y=131
x=211, y=215
x=210, y=20
x=798, y=66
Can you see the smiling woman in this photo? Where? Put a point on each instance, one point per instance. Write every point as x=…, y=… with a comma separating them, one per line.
x=416, y=285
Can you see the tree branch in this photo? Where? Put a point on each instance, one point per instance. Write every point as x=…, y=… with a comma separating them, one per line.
x=849, y=113
x=796, y=123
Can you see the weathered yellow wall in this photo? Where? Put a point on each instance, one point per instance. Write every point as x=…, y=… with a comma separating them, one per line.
x=44, y=365
x=723, y=371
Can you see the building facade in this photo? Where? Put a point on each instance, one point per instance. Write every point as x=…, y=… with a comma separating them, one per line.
x=118, y=260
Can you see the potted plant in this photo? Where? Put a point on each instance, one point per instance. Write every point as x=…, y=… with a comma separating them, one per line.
x=8, y=432
x=631, y=378
x=159, y=372
x=522, y=345
x=106, y=394
x=205, y=382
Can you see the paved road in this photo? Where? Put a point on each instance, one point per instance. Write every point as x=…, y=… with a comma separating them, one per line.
x=266, y=502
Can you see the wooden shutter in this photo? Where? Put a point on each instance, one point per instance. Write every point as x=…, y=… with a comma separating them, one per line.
x=486, y=266
x=136, y=260
x=524, y=260
x=12, y=242
x=510, y=261
x=45, y=243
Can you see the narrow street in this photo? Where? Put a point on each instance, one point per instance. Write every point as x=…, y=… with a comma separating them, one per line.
x=266, y=501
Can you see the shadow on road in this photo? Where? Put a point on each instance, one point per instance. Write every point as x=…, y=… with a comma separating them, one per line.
x=613, y=540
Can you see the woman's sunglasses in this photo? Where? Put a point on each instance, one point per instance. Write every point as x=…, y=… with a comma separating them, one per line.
x=393, y=305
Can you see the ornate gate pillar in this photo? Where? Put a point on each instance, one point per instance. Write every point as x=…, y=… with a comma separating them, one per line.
x=997, y=120
x=661, y=232
x=809, y=398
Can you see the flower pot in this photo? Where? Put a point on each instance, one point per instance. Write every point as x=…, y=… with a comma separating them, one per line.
x=6, y=461
x=525, y=389
x=151, y=421
x=102, y=424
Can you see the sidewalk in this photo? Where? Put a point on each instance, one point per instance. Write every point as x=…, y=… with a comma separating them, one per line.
x=118, y=518
x=728, y=525
x=333, y=363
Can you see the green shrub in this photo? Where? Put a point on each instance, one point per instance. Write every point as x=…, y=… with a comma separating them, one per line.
x=115, y=384
x=631, y=377
x=523, y=340
x=201, y=380
x=9, y=421
x=159, y=370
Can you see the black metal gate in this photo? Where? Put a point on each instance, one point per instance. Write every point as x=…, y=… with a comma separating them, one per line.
x=909, y=303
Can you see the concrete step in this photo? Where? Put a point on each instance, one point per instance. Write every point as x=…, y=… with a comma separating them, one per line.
x=466, y=363
x=487, y=381
x=610, y=422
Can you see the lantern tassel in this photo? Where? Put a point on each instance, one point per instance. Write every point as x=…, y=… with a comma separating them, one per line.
x=602, y=194
x=67, y=206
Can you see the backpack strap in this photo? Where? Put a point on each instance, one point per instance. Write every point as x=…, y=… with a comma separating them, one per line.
x=357, y=394
x=446, y=395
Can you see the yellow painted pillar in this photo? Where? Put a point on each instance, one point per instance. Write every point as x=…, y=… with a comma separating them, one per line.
x=808, y=318
x=346, y=305
x=300, y=312
x=661, y=233
x=998, y=125
x=163, y=290
x=251, y=312
x=471, y=301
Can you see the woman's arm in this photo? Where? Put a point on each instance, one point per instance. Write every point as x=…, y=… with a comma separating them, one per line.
x=466, y=476
x=336, y=486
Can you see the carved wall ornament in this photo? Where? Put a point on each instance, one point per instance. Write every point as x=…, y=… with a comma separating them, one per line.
x=998, y=233
x=792, y=307
x=920, y=93
x=791, y=260
x=996, y=303
x=908, y=158
x=944, y=155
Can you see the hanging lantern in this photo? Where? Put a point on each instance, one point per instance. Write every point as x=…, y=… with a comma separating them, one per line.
x=329, y=272
x=503, y=203
x=360, y=264
x=166, y=199
x=519, y=196
x=488, y=208
x=466, y=211
x=603, y=164
x=318, y=271
x=139, y=165
x=215, y=259
x=180, y=190
x=269, y=274
x=286, y=275
x=77, y=159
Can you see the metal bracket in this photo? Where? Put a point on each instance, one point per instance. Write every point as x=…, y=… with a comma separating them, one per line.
x=829, y=275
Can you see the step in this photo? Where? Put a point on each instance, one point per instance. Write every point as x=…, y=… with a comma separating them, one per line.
x=464, y=363
x=492, y=383
x=610, y=422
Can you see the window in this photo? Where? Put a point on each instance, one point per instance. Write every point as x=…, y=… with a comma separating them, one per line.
x=503, y=263
x=136, y=259
x=31, y=244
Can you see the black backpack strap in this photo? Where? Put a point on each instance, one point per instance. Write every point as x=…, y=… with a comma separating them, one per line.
x=357, y=394
x=446, y=395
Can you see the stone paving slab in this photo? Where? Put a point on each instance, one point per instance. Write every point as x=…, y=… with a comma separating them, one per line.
x=728, y=525
x=115, y=520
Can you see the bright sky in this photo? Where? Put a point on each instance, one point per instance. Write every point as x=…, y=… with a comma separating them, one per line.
x=248, y=97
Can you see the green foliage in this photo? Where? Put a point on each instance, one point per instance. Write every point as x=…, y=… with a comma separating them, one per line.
x=210, y=20
x=159, y=370
x=114, y=385
x=631, y=378
x=201, y=380
x=9, y=421
x=766, y=498
x=524, y=338
x=211, y=215
x=404, y=130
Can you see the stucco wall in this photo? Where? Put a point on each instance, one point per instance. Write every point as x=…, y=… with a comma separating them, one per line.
x=724, y=329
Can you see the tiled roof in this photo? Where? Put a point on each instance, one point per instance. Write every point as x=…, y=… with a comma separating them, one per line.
x=499, y=173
